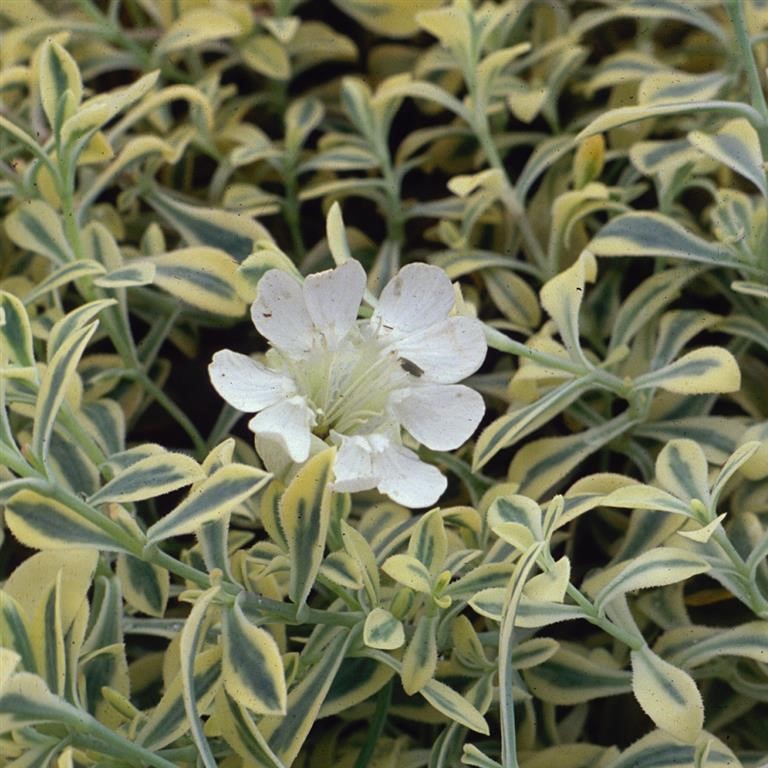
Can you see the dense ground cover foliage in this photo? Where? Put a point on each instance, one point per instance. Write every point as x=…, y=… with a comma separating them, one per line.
x=490, y=281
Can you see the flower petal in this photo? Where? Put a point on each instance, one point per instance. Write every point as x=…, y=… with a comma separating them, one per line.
x=448, y=351
x=246, y=384
x=353, y=468
x=441, y=416
x=280, y=314
x=406, y=479
x=333, y=298
x=418, y=296
x=287, y=423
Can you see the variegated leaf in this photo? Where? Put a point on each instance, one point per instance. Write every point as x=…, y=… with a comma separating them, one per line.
x=305, y=509
x=668, y=695
x=251, y=665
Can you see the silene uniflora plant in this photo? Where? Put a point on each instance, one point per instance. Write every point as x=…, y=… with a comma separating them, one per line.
x=483, y=479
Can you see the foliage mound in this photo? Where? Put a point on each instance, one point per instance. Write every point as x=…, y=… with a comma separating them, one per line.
x=591, y=588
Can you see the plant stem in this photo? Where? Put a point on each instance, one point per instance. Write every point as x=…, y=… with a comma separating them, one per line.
x=377, y=726
x=735, y=10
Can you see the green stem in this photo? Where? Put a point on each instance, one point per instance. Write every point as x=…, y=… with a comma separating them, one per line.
x=594, y=617
x=266, y=609
x=377, y=726
x=735, y=10
x=602, y=378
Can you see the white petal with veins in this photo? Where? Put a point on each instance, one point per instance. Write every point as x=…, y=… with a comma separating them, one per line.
x=333, y=298
x=406, y=479
x=448, y=351
x=418, y=296
x=280, y=314
x=353, y=467
x=441, y=416
x=246, y=384
x=288, y=423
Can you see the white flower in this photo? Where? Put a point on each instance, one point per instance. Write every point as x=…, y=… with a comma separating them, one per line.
x=356, y=383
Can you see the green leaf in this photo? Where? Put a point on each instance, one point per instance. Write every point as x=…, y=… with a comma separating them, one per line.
x=15, y=632
x=212, y=227
x=54, y=384
x=26, y=700
x=58, y=73
x=342, y=569
x=239, y=730
x=129, y=276
x=653, y=234
x=681, y=469
x=383, y=631
x=409, y=572
x=36, y=227
x=192, y=636
x=428, y=542
x=196, y=27
x=149, y=478
x=443, y=698
x=251, y=665
x=736, y=145
x=357, y=547
x=748, y=641
x=420, y=657
x=213, y=498
x=573, y=677
x=205, y=278
x=513, y=426
x=286, y=735
x=668, y=695
x=72, y=322
x=145, y=585
x=542, y=464
x=705, y=370
x=305, y=516
x=646, y=301
x=654, y=568
x=15, y=331
x=40, y=522
x=169, y=719
x=660, y=750
x=265, y=55
x=60, y=276
x=389, y=18
x=625, y=115
x=358, y=679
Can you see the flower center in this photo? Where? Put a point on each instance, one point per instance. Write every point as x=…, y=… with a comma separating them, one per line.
x=349, y=387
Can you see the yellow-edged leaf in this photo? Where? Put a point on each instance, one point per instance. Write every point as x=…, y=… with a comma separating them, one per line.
x=196, y=27
x=702, y=371
x=409, y=572
x=382, y=630
x=251, y=665
x=420, y=657
x=305, y=510
x=40, y=522
x=668, y=695
x=213, y=498
x=654, y=568
x=15, y=332
x=58, y=73
x=203, y=277
x=36, y=226
x=150, y=477
x=145, y=586
x=736, y=145
x=54, y=384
